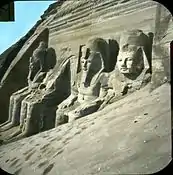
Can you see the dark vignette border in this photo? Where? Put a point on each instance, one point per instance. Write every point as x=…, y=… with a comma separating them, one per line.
x=168, y=5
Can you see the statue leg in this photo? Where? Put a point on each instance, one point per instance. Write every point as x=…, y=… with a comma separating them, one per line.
x=61, y=118
x=16, y=133
x=83, y=110
x=15, y=112
x=28, y=124
x=10, y=111
x=31, y=124
x=22, y=92
x=23, y=114
x=13, y=138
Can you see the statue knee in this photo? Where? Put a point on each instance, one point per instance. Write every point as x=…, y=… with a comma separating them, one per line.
x=61, y=118
x=29, y=127
x=18, y=99
x=12, y=98
x=23, y=108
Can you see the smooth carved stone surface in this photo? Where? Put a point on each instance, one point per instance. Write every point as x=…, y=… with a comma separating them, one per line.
x=92, y=86
x=73, y=15
x=132, y=70
x=40, y=102
x=132, y=65
x=142, y=17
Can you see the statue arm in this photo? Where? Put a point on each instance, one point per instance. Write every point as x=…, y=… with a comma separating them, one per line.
x=112, y=90
x=29, y=78
x=146, y=79
x=38, y=79
x=30, y=72
x=48, y=74
x=95, y=104
x=103, y=95
x=86, y=109
x=50, y=92
x=111, y=96
x=21, y=91
x=68, y=101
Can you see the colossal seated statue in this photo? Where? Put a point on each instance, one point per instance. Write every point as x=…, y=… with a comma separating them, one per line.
x=37, y=72
x=85, y=97
x=50, y=92
x=132, y=70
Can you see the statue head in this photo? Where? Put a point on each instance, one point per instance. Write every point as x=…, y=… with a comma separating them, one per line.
x=42, y=45
x=94, y=57
x=33, y=63
x=132, y=57
x=37, y=60
x=95, y=52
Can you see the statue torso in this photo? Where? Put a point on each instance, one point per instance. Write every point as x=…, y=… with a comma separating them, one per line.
x=118, y=82
x=39, y=53
x=88, y=93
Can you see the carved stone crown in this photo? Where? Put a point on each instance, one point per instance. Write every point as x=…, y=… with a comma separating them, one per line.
x=132, y=40
x=133, y=37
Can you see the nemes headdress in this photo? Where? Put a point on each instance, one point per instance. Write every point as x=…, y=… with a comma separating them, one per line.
x=101, y=46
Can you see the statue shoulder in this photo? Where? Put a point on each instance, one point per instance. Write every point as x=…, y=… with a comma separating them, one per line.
x=39, y=77
x=146, y=79
x=104, y=77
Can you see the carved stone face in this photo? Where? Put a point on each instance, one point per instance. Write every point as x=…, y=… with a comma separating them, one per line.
x=130, y=60
x=90, y=60
x=91, y=64
x=125, y=62
x=42, y=44
x=34, y=64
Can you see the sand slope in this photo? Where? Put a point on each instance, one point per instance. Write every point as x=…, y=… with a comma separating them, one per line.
x=129, y=136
